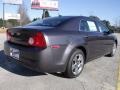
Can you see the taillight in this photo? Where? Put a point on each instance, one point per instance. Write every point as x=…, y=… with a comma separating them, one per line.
x=37, y=40
x=8, y=35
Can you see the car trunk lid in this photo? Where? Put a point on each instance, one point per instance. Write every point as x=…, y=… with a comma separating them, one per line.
x=21, y=35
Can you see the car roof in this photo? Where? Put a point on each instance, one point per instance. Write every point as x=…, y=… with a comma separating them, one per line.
x=80, y=17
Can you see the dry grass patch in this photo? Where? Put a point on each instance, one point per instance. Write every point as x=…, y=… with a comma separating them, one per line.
x=3, y=30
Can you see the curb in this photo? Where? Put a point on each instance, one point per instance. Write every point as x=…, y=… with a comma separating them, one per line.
x=118, y=83
x=118, y=79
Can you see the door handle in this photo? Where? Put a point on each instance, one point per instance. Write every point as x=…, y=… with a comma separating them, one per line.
x=86, y=36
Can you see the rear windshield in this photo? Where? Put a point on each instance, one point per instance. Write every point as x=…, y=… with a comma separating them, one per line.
x=52, y=22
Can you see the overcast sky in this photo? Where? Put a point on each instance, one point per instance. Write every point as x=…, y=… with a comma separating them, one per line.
x=105, y=9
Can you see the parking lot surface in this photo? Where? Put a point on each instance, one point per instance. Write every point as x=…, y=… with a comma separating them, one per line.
x=99, y=74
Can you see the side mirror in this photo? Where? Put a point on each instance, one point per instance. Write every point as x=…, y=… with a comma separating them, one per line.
x=107, y=32
x=111, y=31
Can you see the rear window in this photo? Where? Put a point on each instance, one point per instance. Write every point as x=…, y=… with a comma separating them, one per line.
x=52, y=22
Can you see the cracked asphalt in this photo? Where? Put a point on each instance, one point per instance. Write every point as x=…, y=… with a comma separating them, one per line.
x=99, y=74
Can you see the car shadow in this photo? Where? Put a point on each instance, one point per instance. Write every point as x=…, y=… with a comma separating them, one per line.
x=61, y=75
x=16, y=68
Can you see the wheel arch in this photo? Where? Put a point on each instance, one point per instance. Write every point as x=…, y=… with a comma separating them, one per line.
x=80, y=47
x=84, y=51
x=70, y=50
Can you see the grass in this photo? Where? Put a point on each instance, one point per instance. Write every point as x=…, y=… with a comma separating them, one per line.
x=3, y=30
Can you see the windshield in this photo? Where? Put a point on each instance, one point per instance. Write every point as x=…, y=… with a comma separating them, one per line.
x=52, y=22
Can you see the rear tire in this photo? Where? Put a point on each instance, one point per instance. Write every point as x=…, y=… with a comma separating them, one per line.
x=75, y=64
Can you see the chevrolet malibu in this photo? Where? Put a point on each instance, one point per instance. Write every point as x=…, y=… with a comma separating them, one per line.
x=60, y=44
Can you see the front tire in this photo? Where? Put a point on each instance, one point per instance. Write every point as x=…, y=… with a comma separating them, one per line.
x=113, y=50
x=75, y=64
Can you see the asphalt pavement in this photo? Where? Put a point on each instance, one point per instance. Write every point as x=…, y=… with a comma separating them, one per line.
x=99, y=74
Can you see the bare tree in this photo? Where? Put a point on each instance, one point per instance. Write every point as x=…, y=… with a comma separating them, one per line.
x=117, y=22
x=94, y=17
x=24, y=19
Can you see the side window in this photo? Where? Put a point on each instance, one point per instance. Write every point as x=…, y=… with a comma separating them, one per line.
x=84, y=26
x=92, y=26
x=102, y=28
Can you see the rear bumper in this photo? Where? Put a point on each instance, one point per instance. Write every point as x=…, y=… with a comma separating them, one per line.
x=41, y=60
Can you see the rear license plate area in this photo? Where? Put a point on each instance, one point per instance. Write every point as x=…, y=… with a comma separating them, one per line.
x=14, y=53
